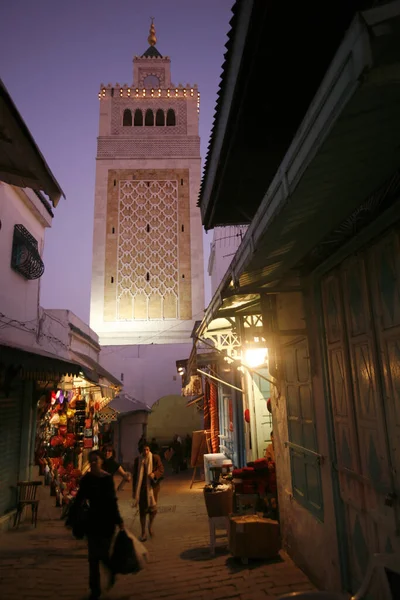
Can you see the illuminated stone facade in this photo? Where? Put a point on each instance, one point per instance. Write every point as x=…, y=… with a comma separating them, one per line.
x=148, y=272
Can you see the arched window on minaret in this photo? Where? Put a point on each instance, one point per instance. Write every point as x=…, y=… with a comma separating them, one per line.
x=127, y=119
x=149, y=118
x=171, y=118
x=160, y=118
x=138, y=119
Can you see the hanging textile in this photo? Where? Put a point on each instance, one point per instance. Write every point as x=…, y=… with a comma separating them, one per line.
x=214, y=418
x=207, y=418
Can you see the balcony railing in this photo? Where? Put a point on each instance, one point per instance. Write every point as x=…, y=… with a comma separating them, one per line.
x=25, y=257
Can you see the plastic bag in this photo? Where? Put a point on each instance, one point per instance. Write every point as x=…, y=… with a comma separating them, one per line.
x=128, y=555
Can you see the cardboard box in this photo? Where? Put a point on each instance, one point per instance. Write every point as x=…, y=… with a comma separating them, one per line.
x=251, y=536
x=219, y=504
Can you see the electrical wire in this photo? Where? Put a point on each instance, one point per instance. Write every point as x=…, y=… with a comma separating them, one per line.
x=22, y=326
x=200, y=313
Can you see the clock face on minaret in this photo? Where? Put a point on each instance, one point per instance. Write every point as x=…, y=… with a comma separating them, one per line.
x=147, y=251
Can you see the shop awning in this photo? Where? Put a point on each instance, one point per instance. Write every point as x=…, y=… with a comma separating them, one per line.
x=21, y=162
x=125, y=404
x=248, y=142
x=32, y=363
x=96, y=370
x=345, y=154
x=108, y=415
x=194, y=400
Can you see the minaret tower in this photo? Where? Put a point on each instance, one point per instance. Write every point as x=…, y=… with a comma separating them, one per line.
x=148, y=274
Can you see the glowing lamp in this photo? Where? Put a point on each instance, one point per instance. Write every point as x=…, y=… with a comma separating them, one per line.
x=254, y=357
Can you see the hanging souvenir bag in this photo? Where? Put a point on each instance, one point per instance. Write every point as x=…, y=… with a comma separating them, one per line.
x=69, y=440
x=55, y=419
x=88, y=443
x=56, y=440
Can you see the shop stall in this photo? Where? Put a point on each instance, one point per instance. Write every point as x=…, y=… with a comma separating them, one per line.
x=243, y=503
x=68, y=429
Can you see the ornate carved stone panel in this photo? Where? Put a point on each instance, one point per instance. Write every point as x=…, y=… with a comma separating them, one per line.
x=148, y=273
x=147, y=269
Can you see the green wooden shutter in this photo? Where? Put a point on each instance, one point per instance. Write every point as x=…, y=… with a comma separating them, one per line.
x=303, y=449
x=10, y=446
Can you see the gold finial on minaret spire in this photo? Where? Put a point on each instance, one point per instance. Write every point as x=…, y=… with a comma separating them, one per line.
x=152, y=37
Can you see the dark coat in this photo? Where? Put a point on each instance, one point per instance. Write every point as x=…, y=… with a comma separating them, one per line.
x=103, y=513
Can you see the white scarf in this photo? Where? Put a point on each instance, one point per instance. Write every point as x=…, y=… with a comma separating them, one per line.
x=146, y=465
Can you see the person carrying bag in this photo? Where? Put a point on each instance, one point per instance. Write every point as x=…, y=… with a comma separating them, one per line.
x=95, y=515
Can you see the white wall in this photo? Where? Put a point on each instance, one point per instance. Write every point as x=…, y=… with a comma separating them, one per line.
x=128, y=433
x=57, y=321
x=226, y=241
x=19, y=297
x=171, y=415
x=149, y=371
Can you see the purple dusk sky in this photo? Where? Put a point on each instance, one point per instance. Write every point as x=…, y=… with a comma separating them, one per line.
x=53, y=57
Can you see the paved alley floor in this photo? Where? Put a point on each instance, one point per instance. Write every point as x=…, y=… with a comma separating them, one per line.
x=47, y=563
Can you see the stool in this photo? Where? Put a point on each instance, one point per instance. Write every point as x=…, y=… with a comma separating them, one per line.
x=216, y=524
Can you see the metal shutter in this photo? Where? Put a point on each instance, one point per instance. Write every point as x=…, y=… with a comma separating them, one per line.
x=10, y=448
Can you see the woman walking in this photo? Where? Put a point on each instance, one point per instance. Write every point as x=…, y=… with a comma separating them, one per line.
x=97, y=487
x=113, y=467
x=147, y=471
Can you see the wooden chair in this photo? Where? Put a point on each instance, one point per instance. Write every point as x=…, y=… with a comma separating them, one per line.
x=27, y=497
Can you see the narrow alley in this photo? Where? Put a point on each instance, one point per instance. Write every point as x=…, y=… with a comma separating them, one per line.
x=48, y=563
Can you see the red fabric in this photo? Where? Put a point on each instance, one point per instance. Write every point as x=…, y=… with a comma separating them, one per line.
x=207, y=418
x=214, y=418
x=230, y=416
x=260, y=463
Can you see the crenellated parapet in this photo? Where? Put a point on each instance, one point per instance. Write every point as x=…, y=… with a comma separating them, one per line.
x=126, y=91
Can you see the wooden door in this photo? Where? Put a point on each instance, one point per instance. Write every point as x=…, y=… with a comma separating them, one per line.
x=384, y=266
x=359, y=413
